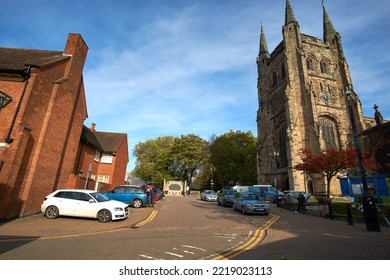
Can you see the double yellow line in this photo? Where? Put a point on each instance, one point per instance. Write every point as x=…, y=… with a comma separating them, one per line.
x=253, y=241
x=145, y=221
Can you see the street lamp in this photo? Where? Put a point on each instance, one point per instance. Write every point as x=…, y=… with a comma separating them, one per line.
x=274, y=154
x=369, y=208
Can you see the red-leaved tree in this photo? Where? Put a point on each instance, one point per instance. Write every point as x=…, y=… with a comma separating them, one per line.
x=330, y=162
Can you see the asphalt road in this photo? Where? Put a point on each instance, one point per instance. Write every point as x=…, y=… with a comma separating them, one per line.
x=186, y=228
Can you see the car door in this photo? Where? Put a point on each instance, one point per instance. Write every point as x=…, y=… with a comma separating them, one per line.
x=119, y=194
x=66, y=201
x=84, y=207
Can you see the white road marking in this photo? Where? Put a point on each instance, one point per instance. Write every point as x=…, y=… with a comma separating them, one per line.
x=192, y=247
x=173, y=254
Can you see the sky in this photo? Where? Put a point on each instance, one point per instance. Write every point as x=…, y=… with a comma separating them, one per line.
x=177, y=67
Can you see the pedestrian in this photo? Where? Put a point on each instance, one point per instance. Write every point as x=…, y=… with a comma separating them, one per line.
x=301, y=201
x=151, y=196
x=263, y=195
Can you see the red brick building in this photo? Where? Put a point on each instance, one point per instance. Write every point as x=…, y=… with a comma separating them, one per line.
x=44, y=145
x=101, y=160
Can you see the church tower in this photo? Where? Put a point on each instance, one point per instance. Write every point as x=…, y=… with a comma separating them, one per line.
x=302, y=103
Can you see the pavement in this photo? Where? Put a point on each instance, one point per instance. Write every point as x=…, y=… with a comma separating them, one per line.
x=38, y=226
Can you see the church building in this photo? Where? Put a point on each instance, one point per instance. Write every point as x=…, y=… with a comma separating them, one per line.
x=302, y=87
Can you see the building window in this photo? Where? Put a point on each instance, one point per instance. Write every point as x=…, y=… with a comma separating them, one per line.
x=328, y=130
x=97, y=156
x=104, y=179
x=106, y=158
x=310, y=65
x=283, y=161
x=274, y=79
x=323, y=67
x=283, y=71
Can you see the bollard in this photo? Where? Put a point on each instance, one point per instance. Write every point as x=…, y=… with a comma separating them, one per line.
x=349, y=214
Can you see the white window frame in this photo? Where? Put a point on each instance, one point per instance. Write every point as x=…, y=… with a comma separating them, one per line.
x=106, y=158
x=104, y=179
x=97, y=156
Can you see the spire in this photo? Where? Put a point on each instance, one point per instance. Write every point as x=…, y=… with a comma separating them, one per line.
x=263, y=44
x=289, y=14
x=329, y=31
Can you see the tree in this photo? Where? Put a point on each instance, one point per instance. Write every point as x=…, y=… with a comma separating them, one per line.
x=233, y=155
x=153, y=158
x=169, y=158
x=329, y=162
x=187, y=156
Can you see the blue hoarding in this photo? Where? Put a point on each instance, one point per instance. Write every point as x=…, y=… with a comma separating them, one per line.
x=352, y=186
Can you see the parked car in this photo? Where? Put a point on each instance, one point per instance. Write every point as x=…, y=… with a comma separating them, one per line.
x=271, y=193
x=160, y=194
x=208, y=195
x=290, y=196
x=83, y=203
x=130, y=194
x=225, y=197
x=250, y=202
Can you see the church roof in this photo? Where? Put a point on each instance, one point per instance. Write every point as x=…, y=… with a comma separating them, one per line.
x=14, y=60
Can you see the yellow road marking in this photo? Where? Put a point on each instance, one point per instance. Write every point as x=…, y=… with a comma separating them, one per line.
x=253, y=241
x=145, y=221
x=148, y=219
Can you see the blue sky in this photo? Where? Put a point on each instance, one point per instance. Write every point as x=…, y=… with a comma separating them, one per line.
x=176, y=67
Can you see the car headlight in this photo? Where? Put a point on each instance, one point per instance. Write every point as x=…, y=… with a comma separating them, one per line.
x=249, y=205
x=118, y=209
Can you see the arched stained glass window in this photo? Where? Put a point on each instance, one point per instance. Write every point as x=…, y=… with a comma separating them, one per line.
x=329, y=133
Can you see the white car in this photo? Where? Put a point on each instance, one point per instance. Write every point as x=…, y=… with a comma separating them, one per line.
x=292, y=196
x=83, y=203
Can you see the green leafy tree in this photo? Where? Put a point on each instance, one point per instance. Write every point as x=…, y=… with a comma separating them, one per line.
x=153, y=158
x=233, y=156
x=187, y=156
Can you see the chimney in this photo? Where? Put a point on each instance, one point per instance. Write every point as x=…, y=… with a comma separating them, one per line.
x=93, y=125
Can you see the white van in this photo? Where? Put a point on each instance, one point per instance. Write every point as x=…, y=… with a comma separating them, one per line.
x=241, y=188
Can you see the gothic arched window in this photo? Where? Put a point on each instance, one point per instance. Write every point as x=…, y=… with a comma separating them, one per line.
x=282, y=138
x=310, y=65
x=329, y=132
x=274, y=79
x=283, y=70
x=323, y=67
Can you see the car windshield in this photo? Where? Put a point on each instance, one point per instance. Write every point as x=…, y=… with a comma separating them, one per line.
x=251, y=197
x=229, y=192
x=209, y=192
x=99, y=197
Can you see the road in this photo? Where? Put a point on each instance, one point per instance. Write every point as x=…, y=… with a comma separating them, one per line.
x=186, y=228
x=182, y=228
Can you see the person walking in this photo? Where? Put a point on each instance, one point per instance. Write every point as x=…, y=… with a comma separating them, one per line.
x=151, y=197
x=301, y=201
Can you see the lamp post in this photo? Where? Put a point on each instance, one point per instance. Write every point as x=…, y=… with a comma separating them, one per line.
x=212, y=178
x=274, y=154
x=369, y=208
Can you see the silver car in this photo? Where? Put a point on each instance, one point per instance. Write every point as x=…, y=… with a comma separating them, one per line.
x=250, y=202
x=208, y=195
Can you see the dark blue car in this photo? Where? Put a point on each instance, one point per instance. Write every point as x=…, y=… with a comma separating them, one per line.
x=129, y=194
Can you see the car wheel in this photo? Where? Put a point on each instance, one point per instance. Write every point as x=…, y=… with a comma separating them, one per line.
x=104, y=216
x=137, y=203
x=52, y=212
x=243, y=210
